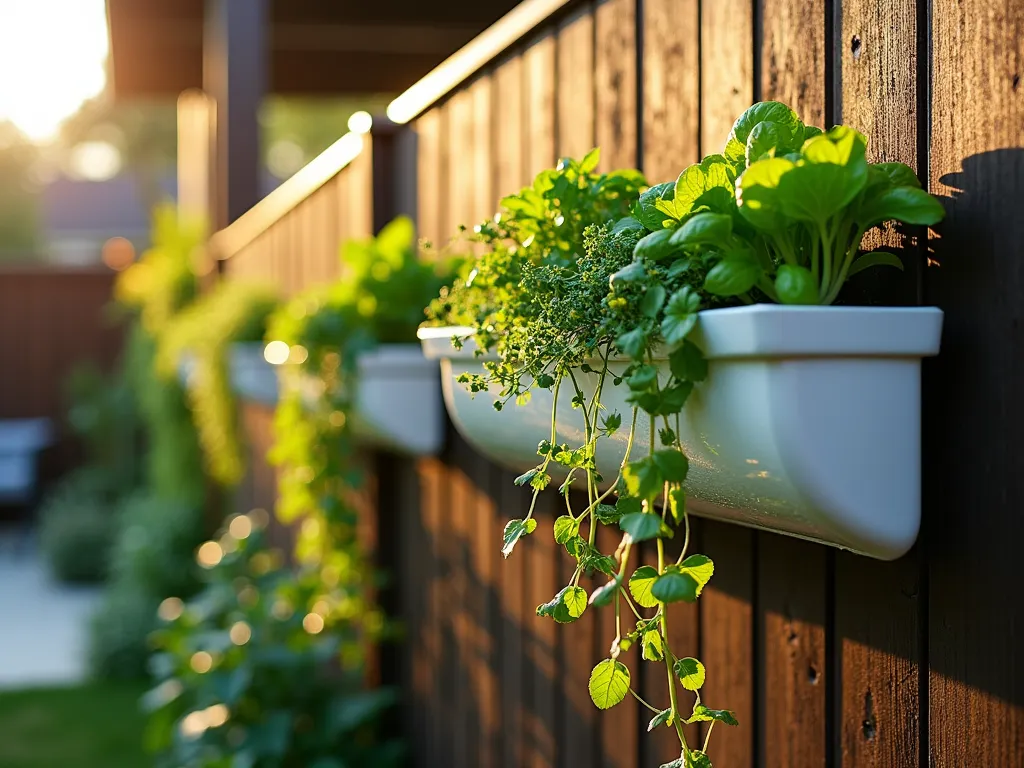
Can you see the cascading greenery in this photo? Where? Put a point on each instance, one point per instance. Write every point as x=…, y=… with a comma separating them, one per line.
x=612, y=301
x=232, y=312
x=378, y=300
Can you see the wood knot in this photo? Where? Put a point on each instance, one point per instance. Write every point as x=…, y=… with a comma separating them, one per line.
x=855, y=47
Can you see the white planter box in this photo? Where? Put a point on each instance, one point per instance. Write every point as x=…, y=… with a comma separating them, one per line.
x=809, y=422
x=21, y=440
x=398, y=405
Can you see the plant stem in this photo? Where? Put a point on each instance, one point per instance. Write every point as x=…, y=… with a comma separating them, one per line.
x=673, y=697
x=637, y=697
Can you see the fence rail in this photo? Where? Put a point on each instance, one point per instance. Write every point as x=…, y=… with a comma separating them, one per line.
x=829, y=659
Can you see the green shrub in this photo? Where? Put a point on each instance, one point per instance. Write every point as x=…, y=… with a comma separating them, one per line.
x=242, y=671
x=78, y=528
x=153, y=558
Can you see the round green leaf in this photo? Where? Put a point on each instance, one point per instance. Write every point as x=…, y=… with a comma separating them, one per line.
x=575, y=601
x=515, y=530
x=673, y=464
x=653, y=646
x=603, y=595
x=796, y=285
x=674, y=586
x=641, y=525
x=735, y=274
x=640, y=584
x=609, y=683
x=656, y=246
x=690, y=673
x=700, y=567
x=566, y=527
x=703, y=229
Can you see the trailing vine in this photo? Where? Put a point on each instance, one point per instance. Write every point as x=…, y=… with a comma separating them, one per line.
x=612, y=301
x=232, y=312
x=378, y=300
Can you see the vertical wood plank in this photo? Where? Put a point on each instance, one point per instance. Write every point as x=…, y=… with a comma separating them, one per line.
x=878, y=606
x=976, y=681
x=436, y=644
x=618, y=727
x=726, y=68
x=727, y=641
x=615, y=81
x=671, y=108
x=793, y=57
x=509, y=164
x=791, y=595
x=539, y=105
x=516, y=611
x=460, y=163
x=484, y=198
x=428, y=174
x=575, y=87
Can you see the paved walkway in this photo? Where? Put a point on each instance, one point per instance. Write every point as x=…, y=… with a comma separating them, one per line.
x=42, y=623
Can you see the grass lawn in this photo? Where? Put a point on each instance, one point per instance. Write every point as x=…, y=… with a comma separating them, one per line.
x=89, y=726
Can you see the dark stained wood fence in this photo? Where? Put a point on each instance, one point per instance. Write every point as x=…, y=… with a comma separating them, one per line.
x=52, y=320
x=829, y=659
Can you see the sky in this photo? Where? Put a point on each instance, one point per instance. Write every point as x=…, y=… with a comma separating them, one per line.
x=52, y=58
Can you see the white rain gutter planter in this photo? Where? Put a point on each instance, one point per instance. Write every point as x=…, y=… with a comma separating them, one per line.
x=398, y=405
x=809, y=423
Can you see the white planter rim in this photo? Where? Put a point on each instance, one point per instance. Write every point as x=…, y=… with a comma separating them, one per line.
x=773, y=330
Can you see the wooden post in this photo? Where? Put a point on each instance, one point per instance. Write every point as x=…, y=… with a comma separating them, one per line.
x=235, y=63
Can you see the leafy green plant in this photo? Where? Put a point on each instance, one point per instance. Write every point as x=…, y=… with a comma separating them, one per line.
x=781, y=213
x=241, y=671
x=78, y=527
x=232, y=312
x=736, y=227
x=378, y=300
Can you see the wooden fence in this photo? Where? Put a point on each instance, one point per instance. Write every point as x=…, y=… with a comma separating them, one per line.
x=51, y=320
x=829, y=659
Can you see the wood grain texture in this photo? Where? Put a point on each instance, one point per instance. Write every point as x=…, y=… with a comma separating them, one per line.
x=461, y=704
x=509, y=149
x=671, y=73
x=484, y=198
x=615, y=81
x=539, y=105
x=516, y=612
x=793, y=56
x=879, y=607
x=575, y=85
x=726, y=68
x=618, y=727
x=791, y=597
x=461, y=162
x=428, y=175
x=972, y=390
x=727, y=641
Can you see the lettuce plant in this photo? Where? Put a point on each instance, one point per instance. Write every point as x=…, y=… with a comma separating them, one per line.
x=781, y=213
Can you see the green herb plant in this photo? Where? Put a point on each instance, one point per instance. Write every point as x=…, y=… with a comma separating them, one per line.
x=378, y=300
x=762, y=221
x=234, y=311
x=240, y=669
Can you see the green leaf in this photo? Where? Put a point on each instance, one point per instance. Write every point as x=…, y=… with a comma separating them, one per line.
x=680, y=316
x=515, y=530
x=688, y=363
x=643, y=479
x=566, y=527
x=699, y=760
x=603, y=595
x=763, y=141
x=612, y=422
x=674, y=586
x=590, y=160
x=700, y=567
x=646, y=209
x=735, y=274
x=656, y=246
x=788, y=125
x=677, y=763
x=627, y=504
x=653, y=646
x=906, y=204
x=895, y=174
x=643, y=378
x=630, y=273
x=875, y=259
x=702, y=714
x=609, y=683
x=796, y=285
x=540, y=481
x=691, y=673
x=662, y=718
x=814, y=192
x=757, y=192
x=672, y=463
x=545, y=381
x=677, y=503
x=565, y=607
x=653, y=300
x=527, y=477
x=608, y=514
x=640, y=584
x=633, y=343
x=642, y=525
x=703, y=229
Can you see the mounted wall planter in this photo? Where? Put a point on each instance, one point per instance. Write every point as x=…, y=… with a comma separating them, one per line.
x=808, y=423
x=398, y=406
